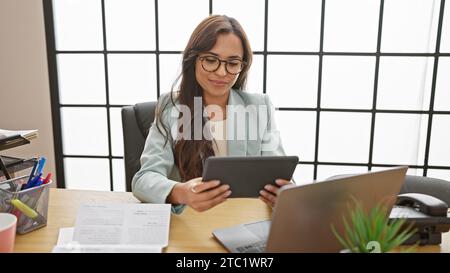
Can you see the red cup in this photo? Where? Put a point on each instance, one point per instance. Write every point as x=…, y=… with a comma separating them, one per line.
x=8, y=223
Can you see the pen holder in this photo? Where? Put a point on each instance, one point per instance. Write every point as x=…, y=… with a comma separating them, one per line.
x=30, y=206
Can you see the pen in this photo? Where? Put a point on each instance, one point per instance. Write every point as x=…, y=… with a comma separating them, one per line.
x=31, y=174
x=41, y=164
x=47, y=178
x=39, y=181
x=37, y=168
x=33, y=182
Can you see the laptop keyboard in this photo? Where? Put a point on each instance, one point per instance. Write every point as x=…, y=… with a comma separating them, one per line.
x=257, y=247
x=260, y=229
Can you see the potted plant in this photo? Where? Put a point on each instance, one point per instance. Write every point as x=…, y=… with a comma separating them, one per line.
x=373, y=232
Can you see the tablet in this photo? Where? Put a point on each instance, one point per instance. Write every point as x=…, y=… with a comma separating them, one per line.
x=248, y=175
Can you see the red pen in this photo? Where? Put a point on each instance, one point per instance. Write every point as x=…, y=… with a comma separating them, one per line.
x=47, y=178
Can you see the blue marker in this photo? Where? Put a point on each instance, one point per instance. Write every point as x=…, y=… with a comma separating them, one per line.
x=37, y=168
x=24, y=186
x=34, y=182
x=41, y=165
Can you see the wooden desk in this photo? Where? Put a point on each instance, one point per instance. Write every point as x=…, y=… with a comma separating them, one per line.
x=189, y=232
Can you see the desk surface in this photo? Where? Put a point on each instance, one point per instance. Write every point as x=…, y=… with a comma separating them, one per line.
x=189, y=232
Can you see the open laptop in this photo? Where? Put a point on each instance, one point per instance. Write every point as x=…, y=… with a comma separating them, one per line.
x=303, y=215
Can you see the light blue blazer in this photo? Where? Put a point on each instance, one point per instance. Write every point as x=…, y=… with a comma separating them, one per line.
x=158, y=173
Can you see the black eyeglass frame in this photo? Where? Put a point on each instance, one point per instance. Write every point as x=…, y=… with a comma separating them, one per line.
x=202, y=58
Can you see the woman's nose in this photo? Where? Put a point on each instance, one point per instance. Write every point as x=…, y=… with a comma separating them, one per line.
x=222, y=71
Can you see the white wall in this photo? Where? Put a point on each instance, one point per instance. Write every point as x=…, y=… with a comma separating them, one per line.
x=24, y=86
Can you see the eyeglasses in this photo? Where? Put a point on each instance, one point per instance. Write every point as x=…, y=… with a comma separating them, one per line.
x=212, y=64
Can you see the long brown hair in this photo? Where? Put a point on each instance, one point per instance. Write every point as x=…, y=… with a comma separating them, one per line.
x=189, y=154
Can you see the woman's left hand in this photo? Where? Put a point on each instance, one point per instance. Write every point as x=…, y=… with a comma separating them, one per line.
x=270, y=192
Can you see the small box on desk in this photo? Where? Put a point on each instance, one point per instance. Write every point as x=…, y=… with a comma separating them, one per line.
x=30, y=205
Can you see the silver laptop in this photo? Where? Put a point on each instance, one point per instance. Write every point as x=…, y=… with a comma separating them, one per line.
x=303, y=215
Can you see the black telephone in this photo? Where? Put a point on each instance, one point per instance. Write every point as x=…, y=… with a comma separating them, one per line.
x=428, y=215
x=424, y=203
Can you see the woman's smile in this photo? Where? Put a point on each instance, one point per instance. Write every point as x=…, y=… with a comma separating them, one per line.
x=218, y=83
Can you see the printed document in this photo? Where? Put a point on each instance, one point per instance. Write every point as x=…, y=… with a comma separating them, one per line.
x=117, y=228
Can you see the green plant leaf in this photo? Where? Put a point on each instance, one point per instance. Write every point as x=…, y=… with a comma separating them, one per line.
x=351, y=237
x=374, y=225
x=341, y=240
x=404, y=234
x=358, y=223
x=378, y=223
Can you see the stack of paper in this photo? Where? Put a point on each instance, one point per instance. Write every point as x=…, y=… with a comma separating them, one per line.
x=117, y=228
x=28, y=134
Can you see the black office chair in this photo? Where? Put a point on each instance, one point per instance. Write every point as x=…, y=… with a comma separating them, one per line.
x=426, y=185
x=136, y=122
x=419, y=184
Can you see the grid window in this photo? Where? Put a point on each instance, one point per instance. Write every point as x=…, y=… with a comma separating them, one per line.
x=440, y=141
x=116, y=131
x=437, y=173
x=410, y=171
x=176, y=24
x=399, y=138
x=252, y=24
x=170, y=68
x=81, y=79
x=347, y=82
x=414, y=171
x=255, y=74
x=297, y=131
x=351, y=25
x=303, y=16
x=71, y=33
x=118, y=174
x=87, y=174
x=328, y=171
x=350, y=97
x=132, y=78
x=292, y=80
x=84, y=131
x=445, y=39
x=442, y=99
x=130, y=25
x=405, y=83
x=304, y=174
x=344, y=137
x=409, y=26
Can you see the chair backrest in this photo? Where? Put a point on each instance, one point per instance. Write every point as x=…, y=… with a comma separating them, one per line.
x=426, y=185
x=136, y=122
x=419, y=184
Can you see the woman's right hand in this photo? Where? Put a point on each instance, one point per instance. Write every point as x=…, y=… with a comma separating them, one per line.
x=199, y=195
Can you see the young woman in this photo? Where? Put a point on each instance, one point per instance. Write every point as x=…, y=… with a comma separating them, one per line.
x=199, y=120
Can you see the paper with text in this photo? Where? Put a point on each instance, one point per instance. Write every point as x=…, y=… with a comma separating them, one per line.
x=65, y=244
x=123, y=224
